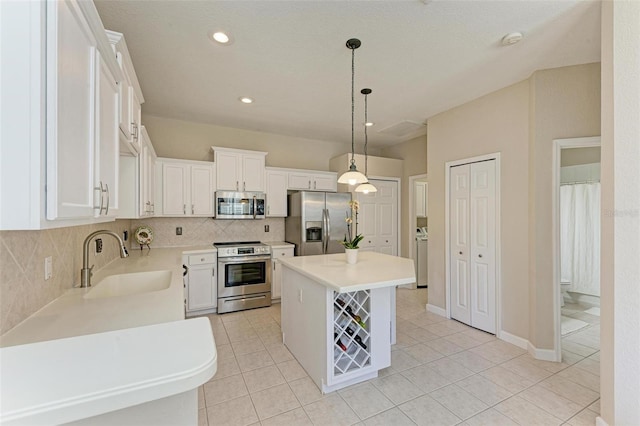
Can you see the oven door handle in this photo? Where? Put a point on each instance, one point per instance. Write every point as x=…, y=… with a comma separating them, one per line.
x=244, y=299
x=246, y=259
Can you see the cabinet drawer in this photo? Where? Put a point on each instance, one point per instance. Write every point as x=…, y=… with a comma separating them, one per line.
x=201, y=259
x=280, y=253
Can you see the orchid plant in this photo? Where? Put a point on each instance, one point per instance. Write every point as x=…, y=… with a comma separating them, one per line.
x=352, y=220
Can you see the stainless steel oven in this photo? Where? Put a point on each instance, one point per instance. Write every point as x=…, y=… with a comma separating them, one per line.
x=244, y=276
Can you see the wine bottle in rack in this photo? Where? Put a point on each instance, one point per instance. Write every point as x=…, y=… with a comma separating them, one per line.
x=339, y=343
x=349, y=331
x=355, y=317
x=358, y=339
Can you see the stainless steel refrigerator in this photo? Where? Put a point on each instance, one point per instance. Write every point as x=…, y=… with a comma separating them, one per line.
x=316, y=223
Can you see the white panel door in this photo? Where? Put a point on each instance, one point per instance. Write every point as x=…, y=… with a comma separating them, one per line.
x=201, y=289
x=252, y=173
x=71, y=82
x=379, y=218
x=459, y=243
x=483, y=246
x=174, y=189
x=201, y=191
x=107, y=139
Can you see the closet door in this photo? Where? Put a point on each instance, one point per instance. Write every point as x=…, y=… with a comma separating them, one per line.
x=472, y=244
x=459, y=243
x=483, y=245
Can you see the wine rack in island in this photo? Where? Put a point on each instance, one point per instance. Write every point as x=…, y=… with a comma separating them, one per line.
x=351, y=331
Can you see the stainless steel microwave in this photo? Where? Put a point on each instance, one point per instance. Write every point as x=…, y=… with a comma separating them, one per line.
x=240, y=205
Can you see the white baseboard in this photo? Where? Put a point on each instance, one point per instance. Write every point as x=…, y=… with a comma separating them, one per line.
x=514, y=340
x=542, y=354
x=600, y=422
x=436, y=310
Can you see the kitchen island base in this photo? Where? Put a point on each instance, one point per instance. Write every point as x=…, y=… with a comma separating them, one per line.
x=340, y=339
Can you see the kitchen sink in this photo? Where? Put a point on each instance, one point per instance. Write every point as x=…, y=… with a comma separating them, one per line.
x=130, y=284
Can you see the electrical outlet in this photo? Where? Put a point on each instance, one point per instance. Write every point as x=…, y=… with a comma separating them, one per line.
x=98, y=245
x=266, y=228
x=48, y=268
x=179, y=230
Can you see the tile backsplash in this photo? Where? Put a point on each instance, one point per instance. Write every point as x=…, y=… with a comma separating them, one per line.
x=205, y=230
x=23, y=289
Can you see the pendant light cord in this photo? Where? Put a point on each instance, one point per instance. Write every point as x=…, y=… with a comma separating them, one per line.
x=366, y=138
x=353, y=72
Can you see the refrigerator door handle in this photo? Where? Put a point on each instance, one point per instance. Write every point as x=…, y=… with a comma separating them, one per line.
x=324, y=231
x=328, y=219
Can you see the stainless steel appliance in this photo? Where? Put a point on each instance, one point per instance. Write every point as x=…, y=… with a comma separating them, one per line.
x=244, y=276
x=316, y=222
x=240, y=205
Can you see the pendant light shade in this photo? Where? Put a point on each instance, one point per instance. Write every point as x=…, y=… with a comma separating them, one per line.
x=353, y=176
x=366, y=187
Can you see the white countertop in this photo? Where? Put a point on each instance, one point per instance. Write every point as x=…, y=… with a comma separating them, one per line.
x=72, y=315
x=279, y=244
x=373, y=270
x=77, y=358
x=59, y=381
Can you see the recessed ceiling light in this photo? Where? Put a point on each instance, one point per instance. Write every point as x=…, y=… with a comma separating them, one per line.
x=245, y=100
x=369, y=124
x=511, y=38
x=221, y=37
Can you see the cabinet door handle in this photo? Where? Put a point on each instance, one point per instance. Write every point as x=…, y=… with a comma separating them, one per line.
x=315, y=185
x=213, y=271
x=237, y=186
x=192, y=209
x=479, y=255
x=309, y=185
x=184, y=209
x=244, y=186
x=268, y=209
x=459, y=252
x=106, y=212
x=101, y=191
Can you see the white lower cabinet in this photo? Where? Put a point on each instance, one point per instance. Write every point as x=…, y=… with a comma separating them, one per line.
x=187, y=187
x=201, y=295
x=276, y=277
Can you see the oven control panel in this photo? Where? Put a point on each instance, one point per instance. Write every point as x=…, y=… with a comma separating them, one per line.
x=243, y=251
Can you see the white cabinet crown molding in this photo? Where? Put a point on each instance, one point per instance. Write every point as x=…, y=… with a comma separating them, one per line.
x=116, y=38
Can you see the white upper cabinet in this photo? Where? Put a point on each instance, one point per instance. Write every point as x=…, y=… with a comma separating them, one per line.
x=420, y=197
x=187, y=187
x=239, y=170
x=308, y=180
x=59, y=100
x=276, y=192
x=137, y=181
x=131, y=99
x=107, y=141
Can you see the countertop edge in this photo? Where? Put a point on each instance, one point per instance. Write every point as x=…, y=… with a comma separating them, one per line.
x=85, y=405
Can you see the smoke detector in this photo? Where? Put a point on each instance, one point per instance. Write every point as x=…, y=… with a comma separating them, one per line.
x=511, y=38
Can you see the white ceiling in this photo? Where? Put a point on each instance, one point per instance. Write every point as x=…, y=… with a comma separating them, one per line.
x=290, y=56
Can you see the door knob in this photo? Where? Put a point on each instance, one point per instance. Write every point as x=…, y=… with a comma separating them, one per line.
x=459, y=252
x=479, y=255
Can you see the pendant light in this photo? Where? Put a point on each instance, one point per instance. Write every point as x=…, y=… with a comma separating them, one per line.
x=353, y=176
x=366, y=187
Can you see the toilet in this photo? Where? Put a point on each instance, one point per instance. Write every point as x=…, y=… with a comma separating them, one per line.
x=564, y=291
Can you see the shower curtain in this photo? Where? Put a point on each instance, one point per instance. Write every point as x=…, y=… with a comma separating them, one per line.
x=580, y=237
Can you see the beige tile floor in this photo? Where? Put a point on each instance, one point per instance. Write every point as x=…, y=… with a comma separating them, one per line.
x=442, y=373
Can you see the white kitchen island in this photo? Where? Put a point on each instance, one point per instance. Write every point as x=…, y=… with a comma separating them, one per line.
x=337, y=318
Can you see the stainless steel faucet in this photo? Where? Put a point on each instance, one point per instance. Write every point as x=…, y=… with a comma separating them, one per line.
x=85, y=272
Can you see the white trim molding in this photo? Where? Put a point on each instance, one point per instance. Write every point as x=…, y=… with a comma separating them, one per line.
x=514, y=340
x=437, y=310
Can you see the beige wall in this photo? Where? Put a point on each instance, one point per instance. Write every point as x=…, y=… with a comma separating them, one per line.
x=578, y=156
x=521, y=123
x=620, y=269
x=498, y=122
x=23, y=289
x=193, y=141
x=565, y=104
x=413, y=153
